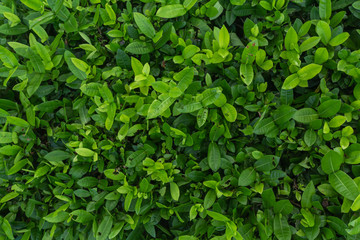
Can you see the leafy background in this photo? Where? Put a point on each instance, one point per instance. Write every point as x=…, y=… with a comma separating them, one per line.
x=187, y=120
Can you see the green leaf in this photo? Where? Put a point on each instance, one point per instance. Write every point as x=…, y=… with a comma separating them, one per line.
x=188, y=4
x=106, y=94
x=202, y=116
x=291, y=82
x=9, y=197
x=9, y=150
x=175, y=92
x=82, y=216
x=337, y=224
x=174, y=190
x=34, y=83
x=356, y=91
x=104, y=228
x=266, y=163
x=268, y=198
x=190, y=51
x=191, y=107
x=356, y=5
x=5, y=137
x=248, y=56
x=61, y=11
x=309, y=43
x=110, y=116
x=209, y=96
x=266, y=5
x=310, y=137
x=327, y=190
x=337, y=121
x=224, y=38
x=17, y=121
x=55, y=217
x=281, y=228
x=49, y=106
x=160, y=87
x=6, y=227
x=309, y=71
x=144, y=25
x=71, y=25
x=84, y=152
x=116, y=229
x=244, y=10
x=217, y=216
x=344, y=185
x=17, y=167
x=185, y=78
x=41, y=171
x=263, y=126
x=79, y=64
x=20, y=49
x=137, y=66
x=339, y=39
x=57, y=156
x=283, y=114
x=87, y=182
x=178, y=59
x=115, y=34
x=14, y=19
x=324, y=31
x=291, y=39
x=12, y=31
x=321, y=55
x=157, y=108
x=260, y=57
x=171, y=11
x=114, y=175
x=123, y=59
x=36, y=5
x=307, y=195
x=214, y=157
x=8, y=58
x=267, y=65
x=36, y=61
x=246, y=73
x=44, y=54
x=325, y=9
x=209, y=199
x=216, y=132
x=128, y=199
x=308, y=217
x=283, y=206
x=138, y=47
x=229, y=112
x=356, y=204
x=78, y=73
x=247, y=177
x=193, y=212
x=110, y=12
x=221, y=100
x=337, y=18
x=329, y=108
x=305, y=115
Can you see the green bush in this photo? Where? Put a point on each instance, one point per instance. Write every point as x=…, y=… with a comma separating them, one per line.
x=179, y=119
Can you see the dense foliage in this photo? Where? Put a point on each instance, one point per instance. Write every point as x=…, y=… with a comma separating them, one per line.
x=172, y=119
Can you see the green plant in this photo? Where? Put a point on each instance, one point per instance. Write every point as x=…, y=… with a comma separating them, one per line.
x=155, y=119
